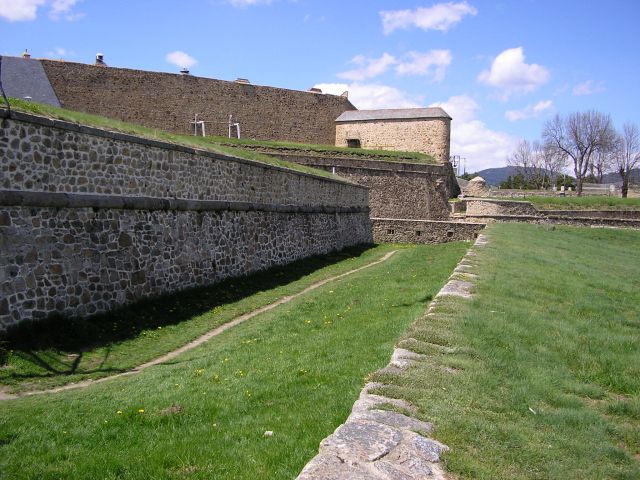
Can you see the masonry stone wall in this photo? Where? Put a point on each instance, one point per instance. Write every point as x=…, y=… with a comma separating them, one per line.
x=396, y=189
x=393, y=230
x=170, y=101
x=430, y=136
x=92, y=220
x=499, y=207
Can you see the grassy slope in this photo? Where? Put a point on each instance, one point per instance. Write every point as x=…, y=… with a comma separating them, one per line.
x=583, y=203
x=295, y=370
x=215, y=144
x=547, y=374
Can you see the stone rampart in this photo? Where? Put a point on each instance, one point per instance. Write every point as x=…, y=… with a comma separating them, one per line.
x=92, y=220
x=476, y=207
x=393, y=230
x=170, y=101
x=397, y=189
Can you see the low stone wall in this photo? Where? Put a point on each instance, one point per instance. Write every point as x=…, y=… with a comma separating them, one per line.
x=557, y=220
x=92, y=220
x=480, y=207
x=613, y=214
x=390, y=230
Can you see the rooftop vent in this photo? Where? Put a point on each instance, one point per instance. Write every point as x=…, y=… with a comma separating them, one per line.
x=315, y=90
x=242, y=80
x=100, y=60
x=184, y=71
x=26, y=54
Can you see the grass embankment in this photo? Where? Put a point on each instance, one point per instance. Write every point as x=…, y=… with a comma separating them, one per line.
x=385, y=155
x=295, y=370
x=583, y=203
x=538, y=377
x=222, y=145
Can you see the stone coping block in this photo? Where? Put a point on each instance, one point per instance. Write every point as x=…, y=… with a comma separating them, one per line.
x=76, y=200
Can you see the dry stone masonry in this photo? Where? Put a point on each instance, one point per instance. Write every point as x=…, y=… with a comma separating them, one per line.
x=91, y=220
x=377, y=444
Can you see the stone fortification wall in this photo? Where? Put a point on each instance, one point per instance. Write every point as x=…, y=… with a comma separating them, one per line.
x=430, y=136
x=499, y=207
x=393, y=230
x=397, y=189
x=91, y=220
x=610, y=214
x=169, y=102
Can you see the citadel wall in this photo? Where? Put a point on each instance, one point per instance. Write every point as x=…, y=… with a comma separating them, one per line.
x=170, y=101
x=396, y=189
x=91, y=220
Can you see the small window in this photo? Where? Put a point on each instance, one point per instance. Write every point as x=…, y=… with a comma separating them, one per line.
x=353, y=142
x=390, y=231
x=418, y=233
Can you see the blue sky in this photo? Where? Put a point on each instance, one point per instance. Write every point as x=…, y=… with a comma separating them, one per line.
x=499, y=68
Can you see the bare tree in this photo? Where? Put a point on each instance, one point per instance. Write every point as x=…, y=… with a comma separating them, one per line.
x=524, y=158
x=602, y=162
x=579, y=136
x=627, y=154
x=553, y=161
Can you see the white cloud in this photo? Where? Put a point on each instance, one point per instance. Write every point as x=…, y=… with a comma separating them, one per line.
x=371, y=96
x=368, y=67
x=511, y=74
x=20, y=10
x=471, y=138
x=248, y=3
x=433, y=64
x=588, y=88
x=60, y=52
x=62, y=9
x=181, y=59
x=441, y=16
x=530, y=111
x=27, y=10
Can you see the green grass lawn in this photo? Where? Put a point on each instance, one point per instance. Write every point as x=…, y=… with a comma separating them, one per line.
x=537, y=377
x=583, y=203
x=68, y=351
x=295, y=370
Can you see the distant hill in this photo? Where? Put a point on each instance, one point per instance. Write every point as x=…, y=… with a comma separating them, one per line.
x=495, y=176
x=615, y=177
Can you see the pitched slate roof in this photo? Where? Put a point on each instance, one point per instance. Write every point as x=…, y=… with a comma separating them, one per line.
x=22, y=77
x=392, y=114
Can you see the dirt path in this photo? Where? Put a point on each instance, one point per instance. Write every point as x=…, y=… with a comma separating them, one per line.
x=198, y=341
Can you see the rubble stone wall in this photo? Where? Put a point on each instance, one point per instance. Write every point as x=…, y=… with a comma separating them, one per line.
x=391, y=230
x=430, y=136
x=92, y=220
x=170, y=101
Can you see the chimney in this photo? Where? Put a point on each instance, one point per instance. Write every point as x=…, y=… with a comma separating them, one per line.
x=242, y=80
x=184, y=71
x=100, y=60
x=26, y=54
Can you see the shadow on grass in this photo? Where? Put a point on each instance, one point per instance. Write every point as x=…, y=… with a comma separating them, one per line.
x=41, y=342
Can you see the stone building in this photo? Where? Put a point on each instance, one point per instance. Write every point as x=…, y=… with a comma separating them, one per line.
x=426, y=130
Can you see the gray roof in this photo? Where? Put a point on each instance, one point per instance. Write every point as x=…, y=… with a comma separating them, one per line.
x=22, y=77
x=392, y=114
